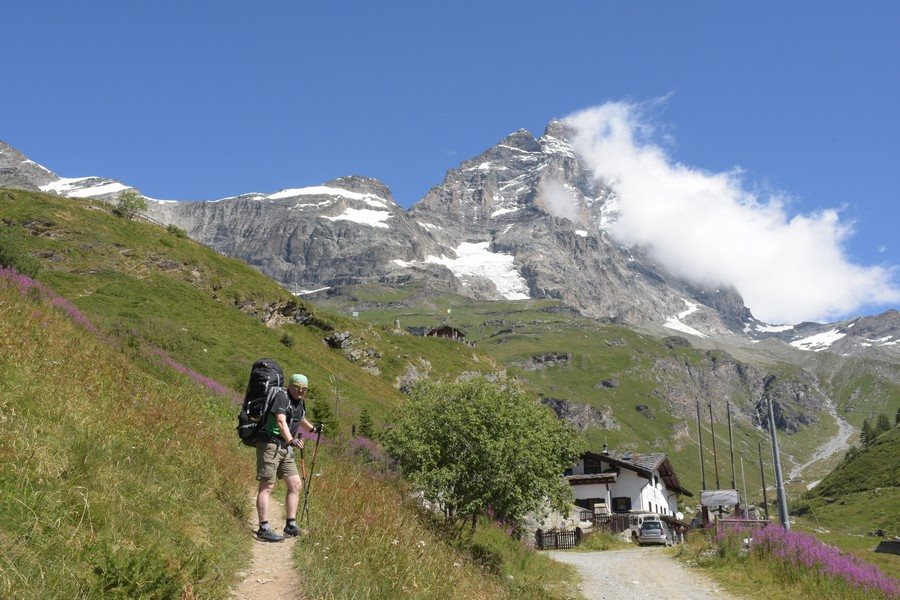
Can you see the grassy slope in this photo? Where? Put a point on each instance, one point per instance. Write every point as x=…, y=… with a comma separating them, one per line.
x=180, y=296
x=857, y=497
x=144, y=285
x=861, y=494
x=115, y=479
x=512, y=331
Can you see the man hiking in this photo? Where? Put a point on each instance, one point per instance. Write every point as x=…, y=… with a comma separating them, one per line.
x=275, y=456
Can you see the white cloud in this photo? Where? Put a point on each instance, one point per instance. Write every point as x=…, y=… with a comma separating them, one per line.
x=557, y=199
x=713, y=230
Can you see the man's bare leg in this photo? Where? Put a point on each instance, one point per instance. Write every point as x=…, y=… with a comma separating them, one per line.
x=294, y=485
x=262, y=500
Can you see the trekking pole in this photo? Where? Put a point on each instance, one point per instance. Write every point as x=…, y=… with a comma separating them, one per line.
x=312, y=472
x=303, y=464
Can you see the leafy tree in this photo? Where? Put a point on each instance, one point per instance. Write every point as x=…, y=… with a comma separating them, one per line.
x=867, y=434
x=129, y=204
x=882, y=424
x=851, y=453
x=472, y=447
x=13, y=252
x=366, y=426
x=176, y=230
x=321, y=412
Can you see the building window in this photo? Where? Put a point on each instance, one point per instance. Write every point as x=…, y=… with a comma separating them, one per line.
x=621, y=504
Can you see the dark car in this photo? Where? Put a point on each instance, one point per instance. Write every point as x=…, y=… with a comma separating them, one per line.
x=654, y=532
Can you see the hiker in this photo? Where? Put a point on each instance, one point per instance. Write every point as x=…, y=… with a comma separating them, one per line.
x=275, y=456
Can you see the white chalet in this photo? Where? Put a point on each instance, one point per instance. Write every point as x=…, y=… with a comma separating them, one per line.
x=626, y=482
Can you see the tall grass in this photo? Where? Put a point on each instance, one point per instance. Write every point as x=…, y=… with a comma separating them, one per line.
x=115, y=480
x=787, y=564
x=369, y=539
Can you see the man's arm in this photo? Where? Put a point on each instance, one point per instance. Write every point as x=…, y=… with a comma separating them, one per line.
x=305, y=422
x=282, y=423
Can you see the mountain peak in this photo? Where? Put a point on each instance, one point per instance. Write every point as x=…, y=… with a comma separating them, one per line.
x=18, y=171
x=362, y=185
x=521, y=140
x=557, y=129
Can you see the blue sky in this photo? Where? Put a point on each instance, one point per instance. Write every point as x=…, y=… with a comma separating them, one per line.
x=202, y=100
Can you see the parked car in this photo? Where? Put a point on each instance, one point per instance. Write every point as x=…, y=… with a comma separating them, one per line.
x=655, y=532
x=637, y=519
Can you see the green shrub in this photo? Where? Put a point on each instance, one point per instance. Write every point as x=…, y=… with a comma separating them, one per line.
x=129, y=204
x=287, y=340
x=474, y=447
x=176, y=231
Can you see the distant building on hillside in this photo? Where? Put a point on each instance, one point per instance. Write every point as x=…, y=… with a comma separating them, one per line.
x=626, y=482
x=445, y=331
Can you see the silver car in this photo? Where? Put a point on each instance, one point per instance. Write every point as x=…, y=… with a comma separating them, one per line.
x=654, y=532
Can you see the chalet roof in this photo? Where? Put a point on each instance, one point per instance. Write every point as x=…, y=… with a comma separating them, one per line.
x=591, y=478
x=645, y=464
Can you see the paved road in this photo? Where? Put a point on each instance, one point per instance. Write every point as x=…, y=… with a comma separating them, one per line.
x=638, y=574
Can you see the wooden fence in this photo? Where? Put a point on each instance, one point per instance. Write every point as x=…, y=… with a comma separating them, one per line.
x=611, y=523
x=549, y=540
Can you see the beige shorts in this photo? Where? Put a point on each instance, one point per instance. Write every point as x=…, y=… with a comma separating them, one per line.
x=274, y=461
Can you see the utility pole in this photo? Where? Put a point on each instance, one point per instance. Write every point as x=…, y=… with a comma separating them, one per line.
x=762, y=476
x=731, y=444
x=700, y=437
x=712, y=428
x=779, y=479
x=744, y=488
x=704, y=511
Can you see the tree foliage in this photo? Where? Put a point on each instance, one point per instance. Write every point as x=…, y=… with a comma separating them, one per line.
x=13, y=252
x=867, y=433
x=366, y=426
x=474, y=447
x=321, y=412
x=882, y=424
x=129, y=204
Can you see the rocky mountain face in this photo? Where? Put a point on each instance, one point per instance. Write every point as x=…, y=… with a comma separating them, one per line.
x=17, y=171
x=524, y=219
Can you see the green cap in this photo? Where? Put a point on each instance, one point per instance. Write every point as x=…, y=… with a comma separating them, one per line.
x=299, y=380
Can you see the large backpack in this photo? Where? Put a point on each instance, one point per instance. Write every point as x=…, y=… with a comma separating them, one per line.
x=266, y=381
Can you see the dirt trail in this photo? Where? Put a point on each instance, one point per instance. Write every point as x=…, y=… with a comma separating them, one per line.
x=838, y=443
x=638, y=574
x=271, y=574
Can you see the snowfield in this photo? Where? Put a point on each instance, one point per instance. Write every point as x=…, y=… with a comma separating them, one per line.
x=818, y=342
x=364, y=216
x=69, y=186
x=676, y=324
x=475, y=260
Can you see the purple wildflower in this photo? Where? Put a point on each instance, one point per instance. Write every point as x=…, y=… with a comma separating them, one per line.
x=27, y=285
x=210, y=384
x=802, y=549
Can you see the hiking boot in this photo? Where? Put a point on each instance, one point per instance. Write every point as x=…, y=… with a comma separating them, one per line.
x=268, y=535
x=291, y=531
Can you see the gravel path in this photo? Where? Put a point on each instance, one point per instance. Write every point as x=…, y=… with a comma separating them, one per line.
x=839, y=443
x=638, y=574
x=271, y=575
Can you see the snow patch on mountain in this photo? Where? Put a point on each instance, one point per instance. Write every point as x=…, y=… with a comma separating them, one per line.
x=818, y=342
x=675, y=322
x=773, y=328
x=503, y=211
x=324, y=190
x=475, y=260
x=363, y=216
x=83, y=187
